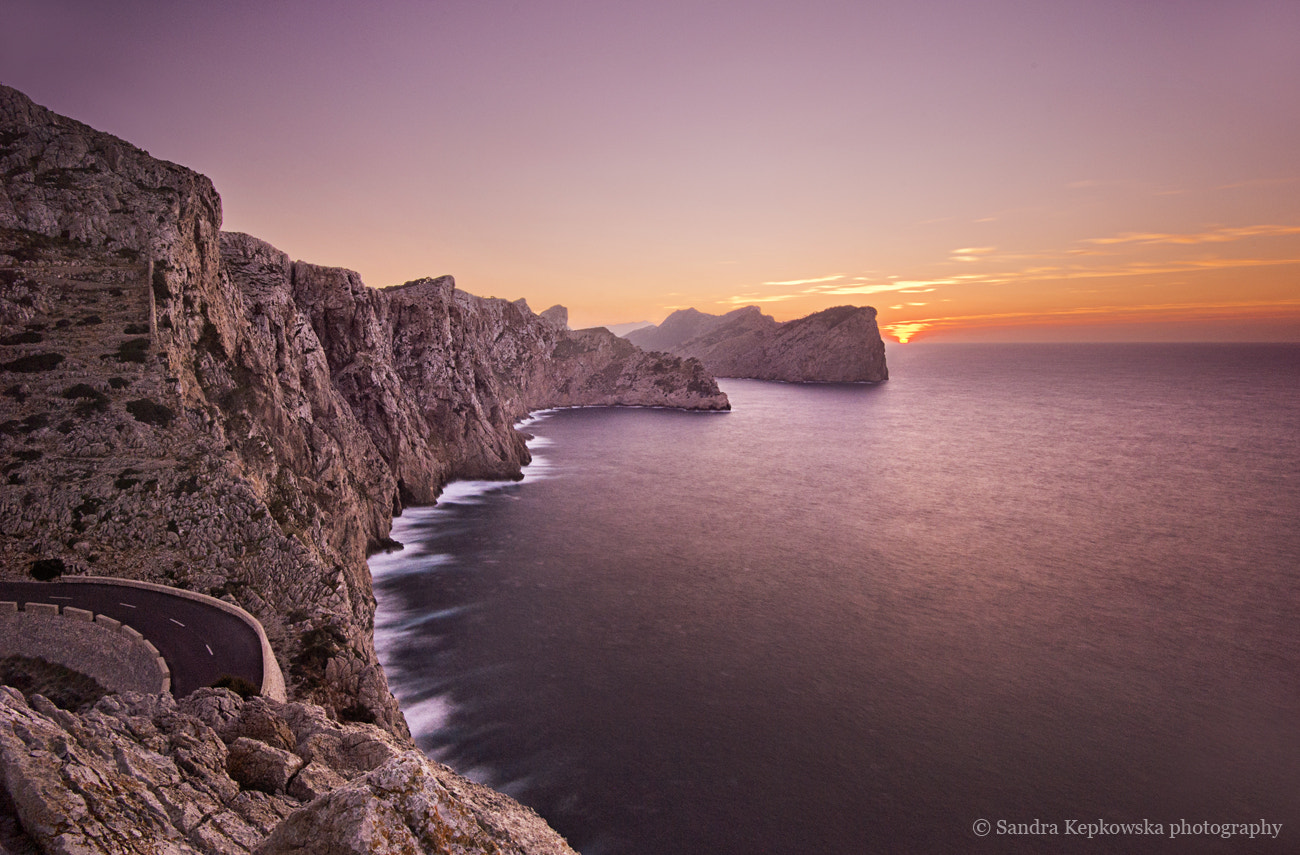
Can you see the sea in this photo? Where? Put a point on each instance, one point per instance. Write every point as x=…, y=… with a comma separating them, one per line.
x=1018, y=598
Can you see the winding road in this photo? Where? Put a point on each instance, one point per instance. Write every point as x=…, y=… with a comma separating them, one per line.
x=199, y=642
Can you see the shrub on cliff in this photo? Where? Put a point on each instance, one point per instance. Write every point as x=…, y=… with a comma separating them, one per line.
x=48, y=569
x=150, y=412
x=33, y=362
x=240, y=686
x=132, y=350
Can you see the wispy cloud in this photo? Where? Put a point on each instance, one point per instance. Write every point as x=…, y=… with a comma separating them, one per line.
x=807, y=281
x=1121, y=255
x=1223, y=235
x=1156, y=313
x=971, y=253
x=1163, y=311
x=841, y=290
x=1258, y=182
x=745, y=300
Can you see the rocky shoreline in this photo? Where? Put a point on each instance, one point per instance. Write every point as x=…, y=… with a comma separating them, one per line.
x=191, y=407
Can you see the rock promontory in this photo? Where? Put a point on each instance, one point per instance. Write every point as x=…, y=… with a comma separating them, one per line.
x=192, y=407
x=837, y=345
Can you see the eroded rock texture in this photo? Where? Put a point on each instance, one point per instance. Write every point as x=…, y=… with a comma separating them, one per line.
x=211, y=774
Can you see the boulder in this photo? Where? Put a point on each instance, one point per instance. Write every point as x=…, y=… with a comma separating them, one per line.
x=257, y=766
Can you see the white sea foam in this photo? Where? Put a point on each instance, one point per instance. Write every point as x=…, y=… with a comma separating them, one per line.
x=427, y=717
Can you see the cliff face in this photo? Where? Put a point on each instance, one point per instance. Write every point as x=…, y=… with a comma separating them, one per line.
x=839, y=345
x=193, y=408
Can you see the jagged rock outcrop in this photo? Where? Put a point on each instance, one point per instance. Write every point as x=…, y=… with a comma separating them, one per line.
x=839, y=345
x=557, y=315
x=212, y=774
x=194, y=408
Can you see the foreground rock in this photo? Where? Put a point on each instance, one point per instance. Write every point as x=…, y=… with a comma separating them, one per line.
x=145, y=774
x=839, y=345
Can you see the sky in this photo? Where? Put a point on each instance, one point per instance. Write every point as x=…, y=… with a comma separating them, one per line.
x=1002, y=170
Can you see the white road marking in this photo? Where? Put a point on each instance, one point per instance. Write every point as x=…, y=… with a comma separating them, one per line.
x=128, y=605
x=175, y=621
x=210, y=653
x=52, y=597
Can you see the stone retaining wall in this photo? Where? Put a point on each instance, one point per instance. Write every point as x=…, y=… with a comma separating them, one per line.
x=273, y=686
x=115, y=655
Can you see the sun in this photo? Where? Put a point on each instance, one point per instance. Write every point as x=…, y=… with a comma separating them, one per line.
x=904, y=332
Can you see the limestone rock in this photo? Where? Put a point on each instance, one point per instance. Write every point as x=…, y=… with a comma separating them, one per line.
x=141, y=773
x=557, y=316
x=400, y=807
x=313, y=781
x=257, y=766
x=841, y=345
x=259, y=719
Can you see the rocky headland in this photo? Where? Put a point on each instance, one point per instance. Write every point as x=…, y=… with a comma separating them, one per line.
x=192, y=407
x=838, y=345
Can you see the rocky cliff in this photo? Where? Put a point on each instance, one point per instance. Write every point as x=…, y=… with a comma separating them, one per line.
x=213, y=773
x=192, y=407
x=839, y=345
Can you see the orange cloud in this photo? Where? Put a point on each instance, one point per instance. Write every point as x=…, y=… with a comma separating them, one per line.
x=1109, y=314
x=808, y=281
x=971, y=253
x=1223, y=235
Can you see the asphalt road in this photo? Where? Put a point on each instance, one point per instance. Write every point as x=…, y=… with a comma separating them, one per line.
x=200, y=643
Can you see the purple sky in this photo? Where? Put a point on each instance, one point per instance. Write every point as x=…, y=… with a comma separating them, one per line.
x=1026, y=169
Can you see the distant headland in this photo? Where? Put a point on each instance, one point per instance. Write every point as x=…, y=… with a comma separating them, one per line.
x=838, y=345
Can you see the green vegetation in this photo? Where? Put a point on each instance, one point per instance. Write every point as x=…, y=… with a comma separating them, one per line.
x=90, y=400
x=88, y=507
x=319, y=646
x=150, y=412
x=47, y=569
x=240, y=686
x=188, y=487
x=34, y=362
x=357, y=712
x=31, y=424
x=132, y=350
x=161, y=291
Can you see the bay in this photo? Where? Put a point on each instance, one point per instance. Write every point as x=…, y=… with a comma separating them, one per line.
x=1013, y=583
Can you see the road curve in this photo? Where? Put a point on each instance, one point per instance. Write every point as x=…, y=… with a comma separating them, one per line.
x=199, y=642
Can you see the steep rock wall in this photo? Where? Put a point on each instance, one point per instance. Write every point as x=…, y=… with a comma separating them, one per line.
x=194, y=408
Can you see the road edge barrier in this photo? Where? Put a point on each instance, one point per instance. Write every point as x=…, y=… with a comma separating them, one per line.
x=273, y=686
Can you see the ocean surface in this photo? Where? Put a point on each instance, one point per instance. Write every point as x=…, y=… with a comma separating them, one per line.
x=1012, y=583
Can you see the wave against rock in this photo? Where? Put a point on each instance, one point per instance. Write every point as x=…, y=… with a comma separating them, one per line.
x=192, y=407
x=838, y=345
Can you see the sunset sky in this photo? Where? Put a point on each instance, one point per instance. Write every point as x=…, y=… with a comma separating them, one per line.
x=975, y=169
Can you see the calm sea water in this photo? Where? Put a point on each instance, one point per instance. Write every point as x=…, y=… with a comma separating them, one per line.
x=1013, y=583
